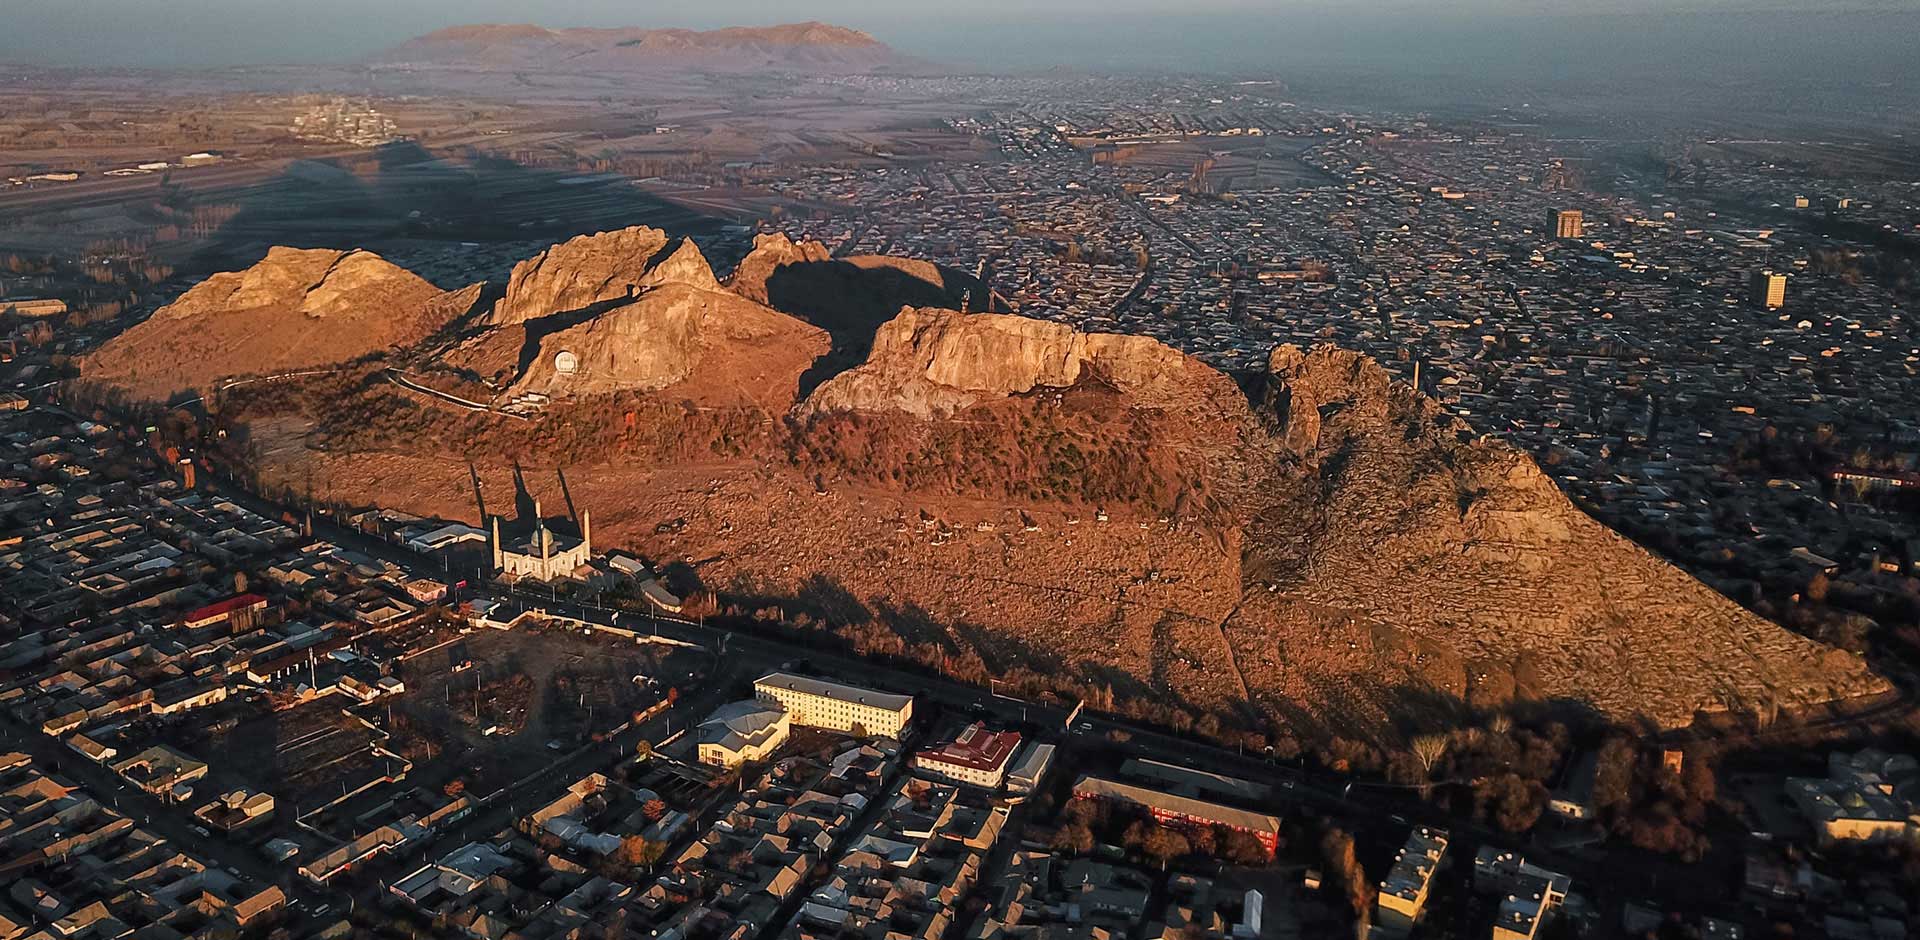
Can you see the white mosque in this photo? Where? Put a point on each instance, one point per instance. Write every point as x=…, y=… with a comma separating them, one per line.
x=543, y=555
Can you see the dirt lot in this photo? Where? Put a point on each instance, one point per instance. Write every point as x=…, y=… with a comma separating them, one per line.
x=568, y=686
x=302, y=755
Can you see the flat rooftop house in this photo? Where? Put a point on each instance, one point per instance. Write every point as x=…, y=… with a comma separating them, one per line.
x=1522, y=912
x=160, y=769
x=1187, y=781
x=1528, y=893
x=1403, y=893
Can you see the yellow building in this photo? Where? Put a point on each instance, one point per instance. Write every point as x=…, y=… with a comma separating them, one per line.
x=1768, y=289
x=33, y=308
x=817, y=703
x=1403, y=893
x=1569, y=223
x=742, y=732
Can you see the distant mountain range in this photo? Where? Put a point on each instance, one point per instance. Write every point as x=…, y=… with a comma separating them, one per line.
x=793, y=47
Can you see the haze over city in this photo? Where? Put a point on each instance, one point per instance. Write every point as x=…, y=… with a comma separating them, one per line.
x=1490, y=37
x=1119, y=470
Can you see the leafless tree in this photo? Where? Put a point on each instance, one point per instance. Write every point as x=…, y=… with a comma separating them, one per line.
x=1429, y=749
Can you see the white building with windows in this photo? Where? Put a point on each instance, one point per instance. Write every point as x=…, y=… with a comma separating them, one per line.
x=817, y=703
x=543, y=555
x=740, y=732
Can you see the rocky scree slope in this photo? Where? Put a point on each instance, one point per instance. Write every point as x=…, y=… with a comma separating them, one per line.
x=1389, y=513
x=1358, y=511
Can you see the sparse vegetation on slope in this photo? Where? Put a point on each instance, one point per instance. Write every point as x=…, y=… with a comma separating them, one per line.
x=1324, y=552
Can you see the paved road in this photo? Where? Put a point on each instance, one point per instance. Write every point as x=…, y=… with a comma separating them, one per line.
x=399, y=378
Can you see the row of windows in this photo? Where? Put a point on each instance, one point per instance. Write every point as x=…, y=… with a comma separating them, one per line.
x=964, y=774
x=818, y=708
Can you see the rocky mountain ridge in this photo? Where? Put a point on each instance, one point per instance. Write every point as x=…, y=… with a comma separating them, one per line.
x=1319, y=541
x=771, y=252
x=1460, y=552
x=578, y=273
x=633, y=310
x=295, y=308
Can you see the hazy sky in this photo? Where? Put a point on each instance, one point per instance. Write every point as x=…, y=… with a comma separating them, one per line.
x=992, y=33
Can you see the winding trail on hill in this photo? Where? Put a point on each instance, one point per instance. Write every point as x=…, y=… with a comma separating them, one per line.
x=1233, y=659
x=396, y=378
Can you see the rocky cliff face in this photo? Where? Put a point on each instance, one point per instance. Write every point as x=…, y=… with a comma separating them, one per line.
x=315, y=282
x=671, y=334
x=583, y=271
x=685, y=265
x=1301, y=386
x=628, y=311
x=850, y=297
x=771, y=252
x=929, y=362
x=294, y=308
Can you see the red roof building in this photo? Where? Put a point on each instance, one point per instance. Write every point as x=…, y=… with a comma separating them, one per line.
x=1172, y=809
x=977, y=756
x=241, y=608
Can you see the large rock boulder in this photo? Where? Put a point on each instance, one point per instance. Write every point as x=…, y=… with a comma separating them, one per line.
x=771, y=252
x=580, y=273
x=929, y=362
x=673, y=334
